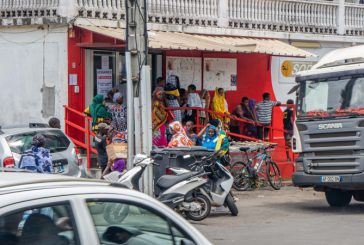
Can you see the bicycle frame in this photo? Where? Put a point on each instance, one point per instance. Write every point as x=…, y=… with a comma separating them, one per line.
x=264, y=158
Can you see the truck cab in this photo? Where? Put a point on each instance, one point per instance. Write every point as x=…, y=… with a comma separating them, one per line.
x=329, y=128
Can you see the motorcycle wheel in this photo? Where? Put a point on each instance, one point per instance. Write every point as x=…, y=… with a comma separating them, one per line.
x=230, y=203
x=205, y=210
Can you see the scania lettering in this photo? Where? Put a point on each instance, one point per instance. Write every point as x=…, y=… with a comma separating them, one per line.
x=329, y=130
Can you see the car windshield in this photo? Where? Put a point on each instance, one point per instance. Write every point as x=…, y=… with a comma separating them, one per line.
x=331, y=98
x=56, y=141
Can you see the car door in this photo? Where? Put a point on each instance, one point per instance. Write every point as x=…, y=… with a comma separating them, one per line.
x=54, y=221
x=119, y=219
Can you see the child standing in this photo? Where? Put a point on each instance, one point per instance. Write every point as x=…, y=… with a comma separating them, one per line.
x=288, y=127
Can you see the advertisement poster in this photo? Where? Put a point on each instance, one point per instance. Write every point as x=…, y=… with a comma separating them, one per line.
x=220, y=73
x=187, y=69
x=104, y=81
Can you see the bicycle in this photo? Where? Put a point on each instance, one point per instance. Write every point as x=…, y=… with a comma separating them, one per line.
x=249, y=175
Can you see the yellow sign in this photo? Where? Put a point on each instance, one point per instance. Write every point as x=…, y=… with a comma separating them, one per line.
x=291, y=68
x=286, y=68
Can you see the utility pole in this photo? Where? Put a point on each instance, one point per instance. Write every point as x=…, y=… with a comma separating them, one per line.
x=138, y=86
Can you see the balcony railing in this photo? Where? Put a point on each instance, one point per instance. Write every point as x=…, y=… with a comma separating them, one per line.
x=104, y=9
x=190, y=12
x=294, y=16
x=28, y=8
x=354, y=19
x=290, y=16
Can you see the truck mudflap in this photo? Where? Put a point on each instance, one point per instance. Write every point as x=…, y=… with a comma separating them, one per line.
x=347, y=182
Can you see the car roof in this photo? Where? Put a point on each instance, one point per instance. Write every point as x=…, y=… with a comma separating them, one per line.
x=17, y=179
x=12, y=131
x=14, y=182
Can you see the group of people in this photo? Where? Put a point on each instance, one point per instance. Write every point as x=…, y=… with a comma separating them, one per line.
x=109, y=123
x=109, y=110
x=247, y=118
x=176, y=127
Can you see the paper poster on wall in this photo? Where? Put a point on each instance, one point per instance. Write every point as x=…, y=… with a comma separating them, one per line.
x=73, y=79
x=104, y=81
x=221, y=73
x=188, y=70
x=104, y=62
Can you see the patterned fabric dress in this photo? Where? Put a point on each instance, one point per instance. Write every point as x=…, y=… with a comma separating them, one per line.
x=179, y=138
x=119, y=117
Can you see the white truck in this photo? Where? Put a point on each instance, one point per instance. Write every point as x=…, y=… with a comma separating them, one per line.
x=329, y=130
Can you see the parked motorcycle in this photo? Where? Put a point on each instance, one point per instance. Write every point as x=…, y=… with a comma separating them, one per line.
x=220, y=181
x=178, y=192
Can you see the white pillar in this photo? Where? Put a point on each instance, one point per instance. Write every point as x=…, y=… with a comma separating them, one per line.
x=146, y=118
x=130, y=110
x=223, y=12
x=340, y=17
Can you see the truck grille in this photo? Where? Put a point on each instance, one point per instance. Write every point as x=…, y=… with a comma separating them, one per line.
x=333, y=135
x=333, y=153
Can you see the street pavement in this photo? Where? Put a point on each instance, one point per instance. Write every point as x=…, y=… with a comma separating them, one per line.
x=290, y=216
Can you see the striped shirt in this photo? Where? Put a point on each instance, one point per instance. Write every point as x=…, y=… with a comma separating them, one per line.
x=264, y=111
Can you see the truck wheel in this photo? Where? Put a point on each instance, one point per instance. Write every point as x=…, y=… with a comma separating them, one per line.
x=337, y=198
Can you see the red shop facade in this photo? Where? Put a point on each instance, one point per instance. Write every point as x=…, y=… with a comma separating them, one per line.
x=92, y=48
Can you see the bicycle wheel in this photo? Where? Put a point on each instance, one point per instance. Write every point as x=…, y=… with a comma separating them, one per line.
x=241, y=175
x=274, y=175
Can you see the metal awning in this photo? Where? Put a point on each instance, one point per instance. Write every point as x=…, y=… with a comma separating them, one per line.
x=160, y=40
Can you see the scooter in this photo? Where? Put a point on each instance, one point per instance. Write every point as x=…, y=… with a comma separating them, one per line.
x=220, y=181
x=178, y=192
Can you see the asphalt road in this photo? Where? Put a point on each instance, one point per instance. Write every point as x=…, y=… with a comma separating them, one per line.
x=290, y=216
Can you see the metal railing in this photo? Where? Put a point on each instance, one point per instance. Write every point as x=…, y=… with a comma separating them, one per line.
x=84, y=129
x=72, y=128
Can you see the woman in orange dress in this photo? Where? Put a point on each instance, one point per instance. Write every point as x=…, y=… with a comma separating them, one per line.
x=179, y=138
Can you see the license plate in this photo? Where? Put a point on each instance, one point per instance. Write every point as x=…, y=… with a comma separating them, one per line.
x=330, y=179
x=58, y=168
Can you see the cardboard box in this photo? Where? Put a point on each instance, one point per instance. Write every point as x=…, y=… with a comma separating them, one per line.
x=117, y=151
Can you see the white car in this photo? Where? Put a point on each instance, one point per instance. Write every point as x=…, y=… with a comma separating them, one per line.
x=41, y=209
x=65, y=156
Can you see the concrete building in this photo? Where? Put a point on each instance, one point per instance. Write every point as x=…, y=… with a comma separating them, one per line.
x=52, y=51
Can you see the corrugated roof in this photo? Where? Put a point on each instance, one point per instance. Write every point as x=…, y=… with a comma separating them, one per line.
x=185, y=41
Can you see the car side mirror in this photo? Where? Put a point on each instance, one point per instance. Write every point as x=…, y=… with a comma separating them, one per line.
x=187, y=242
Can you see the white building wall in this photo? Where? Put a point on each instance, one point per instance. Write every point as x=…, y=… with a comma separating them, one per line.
x=32, y=58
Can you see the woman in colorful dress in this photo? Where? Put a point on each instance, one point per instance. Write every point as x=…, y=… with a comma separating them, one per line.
x=98, y=112
x=179, y=138
x=219, y=105
x=159, y=118
x=118, y=113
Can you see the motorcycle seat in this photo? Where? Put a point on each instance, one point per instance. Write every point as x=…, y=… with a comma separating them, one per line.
x=245, y=149
x=167, y=181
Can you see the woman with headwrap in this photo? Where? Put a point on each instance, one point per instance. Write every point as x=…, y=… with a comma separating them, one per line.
x=209, y=136
x=38, y=158
x=172, y=95
x=118, y=113
x=159, y=118
x=220, y=105
x=98, y=112
x=179, y=138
